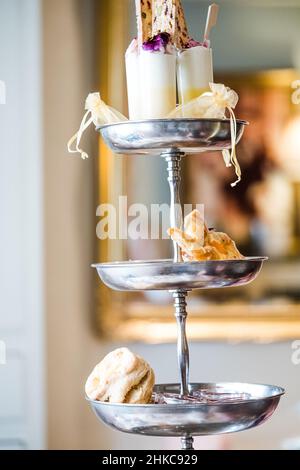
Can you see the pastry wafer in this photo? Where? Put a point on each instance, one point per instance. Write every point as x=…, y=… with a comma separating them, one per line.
x=144, y=20
x=168, y=17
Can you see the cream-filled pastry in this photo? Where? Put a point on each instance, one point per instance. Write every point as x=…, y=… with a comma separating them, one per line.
x=121, y=377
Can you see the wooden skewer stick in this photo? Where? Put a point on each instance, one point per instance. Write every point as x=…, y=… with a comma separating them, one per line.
x=212, y=17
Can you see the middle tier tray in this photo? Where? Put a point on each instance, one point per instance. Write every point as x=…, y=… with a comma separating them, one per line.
x=167, y=275
x=156, y=136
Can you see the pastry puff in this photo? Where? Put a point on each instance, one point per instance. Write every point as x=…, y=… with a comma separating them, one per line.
x=121, y=377
x=195, y=232
x=191, y=247
x=197, y=243
x=194, y=226
x=224, y=245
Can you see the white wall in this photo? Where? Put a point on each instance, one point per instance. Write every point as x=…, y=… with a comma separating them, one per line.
x=22, y=400
x=69, y=224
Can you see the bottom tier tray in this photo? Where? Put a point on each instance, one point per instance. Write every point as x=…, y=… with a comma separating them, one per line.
x=167, y=275
x=258, y=405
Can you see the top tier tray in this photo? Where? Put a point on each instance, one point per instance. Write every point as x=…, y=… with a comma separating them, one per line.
x=156, y=136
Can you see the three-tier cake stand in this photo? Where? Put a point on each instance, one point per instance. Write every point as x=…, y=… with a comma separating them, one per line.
x=228, y=407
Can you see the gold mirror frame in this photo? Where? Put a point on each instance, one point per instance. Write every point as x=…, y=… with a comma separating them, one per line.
x=117, y=317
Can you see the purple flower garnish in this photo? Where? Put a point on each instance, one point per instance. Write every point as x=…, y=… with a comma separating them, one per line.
x=193, y=43
x=158, y=43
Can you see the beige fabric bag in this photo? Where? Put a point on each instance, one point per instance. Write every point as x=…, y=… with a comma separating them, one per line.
x=214, y=104
x=97, y=112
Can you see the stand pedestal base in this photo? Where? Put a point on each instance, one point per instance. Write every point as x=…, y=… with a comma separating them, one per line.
x=187, y=443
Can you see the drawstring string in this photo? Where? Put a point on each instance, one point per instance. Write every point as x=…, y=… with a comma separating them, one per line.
x=77, y=137
x=98, y=113
x=230, y=158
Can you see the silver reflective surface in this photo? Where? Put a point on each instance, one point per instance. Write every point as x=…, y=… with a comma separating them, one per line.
x=167, y=275
x=193, y=419
x=155, y=136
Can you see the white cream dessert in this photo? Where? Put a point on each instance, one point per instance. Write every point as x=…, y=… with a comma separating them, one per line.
x=132, y=58
x=158, y=84
x=194, y=71
x=157, y=75
x=151, y=58
x=164, y=59
x=133, y=81
x=151, y=78
x=195, y=65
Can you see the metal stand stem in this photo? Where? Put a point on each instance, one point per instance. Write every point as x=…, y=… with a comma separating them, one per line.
x=187, y=443
x=176, y=221
x=182, y=353
x=182, y=344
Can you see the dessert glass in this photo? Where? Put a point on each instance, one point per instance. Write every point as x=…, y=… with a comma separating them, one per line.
x=151, y=78
x=194, y=72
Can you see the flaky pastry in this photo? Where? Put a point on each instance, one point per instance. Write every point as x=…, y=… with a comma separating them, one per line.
x=121, y=377
x=198, y=243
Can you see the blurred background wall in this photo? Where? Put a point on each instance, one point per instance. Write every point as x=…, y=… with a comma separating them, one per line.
x=47, y=237
x=22, y=313
x=251, y=35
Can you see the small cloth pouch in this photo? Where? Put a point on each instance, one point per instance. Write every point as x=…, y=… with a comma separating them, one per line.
x=215, y=104
x=97, y=112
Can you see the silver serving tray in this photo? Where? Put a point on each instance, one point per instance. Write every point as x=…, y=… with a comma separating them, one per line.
x=193, y=419
x=155, y=136
x=167, y=275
